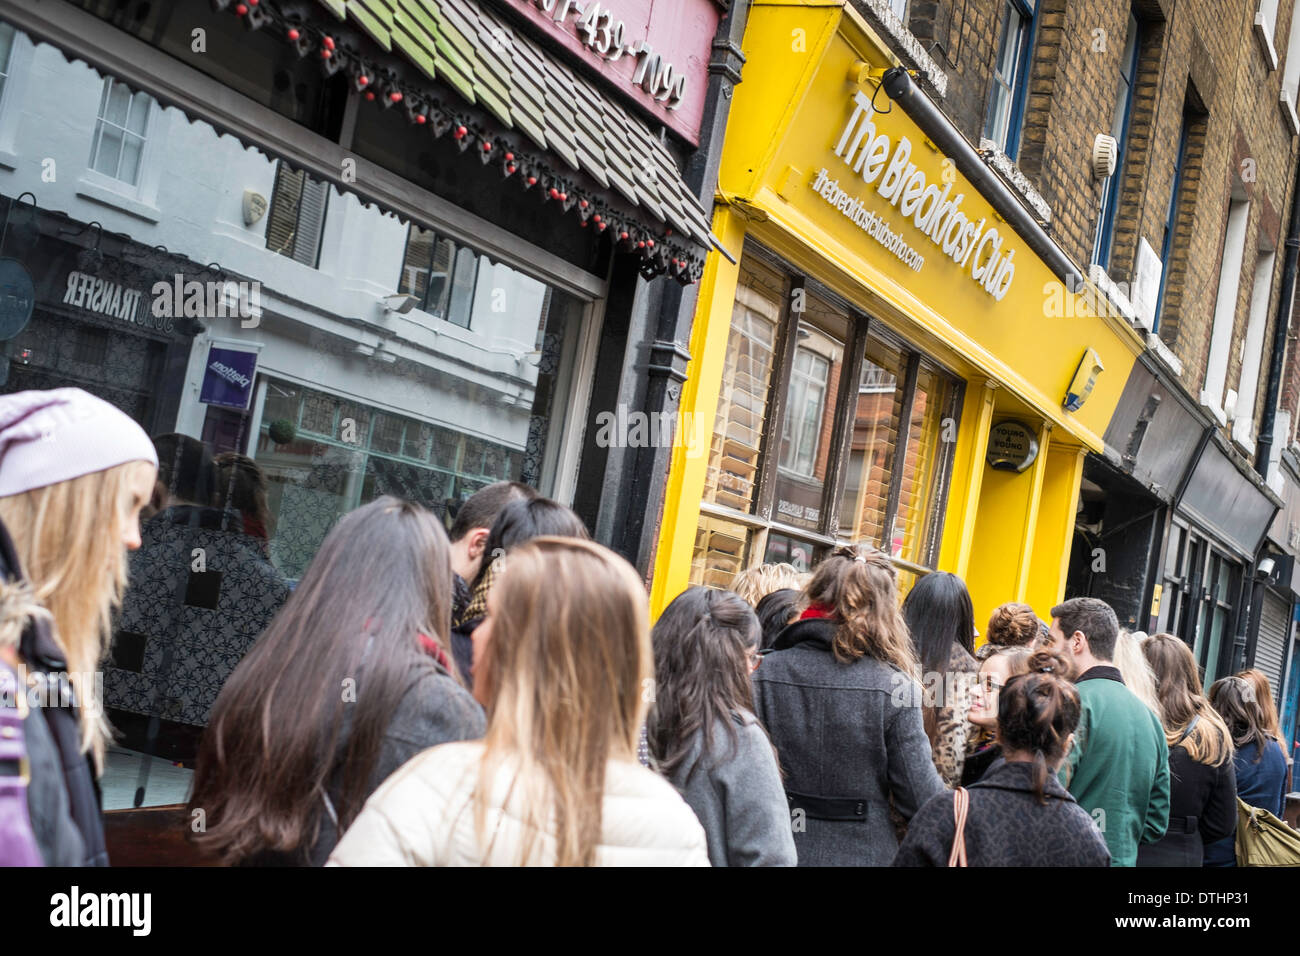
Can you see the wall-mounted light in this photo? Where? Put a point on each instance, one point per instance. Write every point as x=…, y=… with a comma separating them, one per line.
x=401, y=303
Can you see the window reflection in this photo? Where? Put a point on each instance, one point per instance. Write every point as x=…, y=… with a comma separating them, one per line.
x=281, y=388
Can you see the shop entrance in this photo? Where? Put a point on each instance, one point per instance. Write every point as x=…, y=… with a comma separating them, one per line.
x=1200, y=592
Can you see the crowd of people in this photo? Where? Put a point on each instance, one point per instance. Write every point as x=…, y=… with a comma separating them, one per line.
x=494, y=694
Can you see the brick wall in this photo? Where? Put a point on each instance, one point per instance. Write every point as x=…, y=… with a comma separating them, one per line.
x=1198, y=54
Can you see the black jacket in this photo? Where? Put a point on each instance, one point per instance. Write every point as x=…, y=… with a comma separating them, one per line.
x=1006, y=825
x=45, y=658
x=1202, y=809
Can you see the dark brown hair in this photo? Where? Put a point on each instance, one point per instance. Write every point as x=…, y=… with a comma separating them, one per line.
x=1037, y=712
x=1013, y=625
x=858, y=585
x=524, y=519
x=481, y=508
x=1237, y=703
x=1096, y=619
x=702, y=643
x=381, y=577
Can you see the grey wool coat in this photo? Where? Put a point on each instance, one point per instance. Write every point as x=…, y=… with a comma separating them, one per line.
x=737, y=795
x=850, y=741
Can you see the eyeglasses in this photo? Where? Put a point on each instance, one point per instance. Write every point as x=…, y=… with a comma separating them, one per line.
x=989, y=684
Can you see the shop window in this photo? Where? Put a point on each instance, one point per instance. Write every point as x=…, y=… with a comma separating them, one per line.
x=267, y=432
x=296, y=220
x=721, y=551
x=1011, y=76
x=855, y=402
x=804, y=457
x=440, y=274
x=895, y=502
x=1111, y=189
x=742, y=402
x=121, y=131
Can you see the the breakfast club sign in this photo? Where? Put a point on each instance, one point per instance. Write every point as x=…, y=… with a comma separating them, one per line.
x=926, y=210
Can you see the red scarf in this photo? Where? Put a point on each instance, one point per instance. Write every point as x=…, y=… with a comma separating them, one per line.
x=434, y=649
x=817, y=610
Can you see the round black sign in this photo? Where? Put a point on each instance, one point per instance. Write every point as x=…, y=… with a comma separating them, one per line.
x=17, y=298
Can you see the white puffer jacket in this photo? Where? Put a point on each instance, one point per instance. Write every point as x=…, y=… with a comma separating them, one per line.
x=423, y=815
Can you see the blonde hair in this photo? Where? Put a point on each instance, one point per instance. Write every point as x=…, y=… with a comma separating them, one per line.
x=754, y=584
x=1135, y=669
x=1178, y=684
x=859, y=586
x=567, y=668
x=68, y=536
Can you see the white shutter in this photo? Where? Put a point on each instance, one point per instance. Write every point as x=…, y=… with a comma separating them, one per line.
x=311, y=221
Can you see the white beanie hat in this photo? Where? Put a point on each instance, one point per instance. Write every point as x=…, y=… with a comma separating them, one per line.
x=51, y=436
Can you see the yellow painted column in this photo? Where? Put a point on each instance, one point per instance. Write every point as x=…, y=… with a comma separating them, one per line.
x=967, y=478
x=1058, y=505
x=698, y=412
x=1037, y=471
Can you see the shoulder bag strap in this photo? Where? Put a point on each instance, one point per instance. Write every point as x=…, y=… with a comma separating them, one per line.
x=960, y=804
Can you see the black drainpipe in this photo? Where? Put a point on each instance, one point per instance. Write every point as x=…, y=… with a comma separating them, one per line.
x=1264, y=445
x=902, y=90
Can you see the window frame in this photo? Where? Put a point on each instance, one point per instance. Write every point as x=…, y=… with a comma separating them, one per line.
x=97, y=134
x=307, y=179
x=1025, y=13
x=1103, y=247
x=762, y=517
x=424, y=303
x=1172, y=215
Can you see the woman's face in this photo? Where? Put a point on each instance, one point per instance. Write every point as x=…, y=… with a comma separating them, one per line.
x=984, y=702
x=139, y=488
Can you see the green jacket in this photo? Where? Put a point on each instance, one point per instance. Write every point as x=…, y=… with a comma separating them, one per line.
x=1118, y=769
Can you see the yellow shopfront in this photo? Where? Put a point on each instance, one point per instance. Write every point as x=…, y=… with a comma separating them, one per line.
x=883, y=337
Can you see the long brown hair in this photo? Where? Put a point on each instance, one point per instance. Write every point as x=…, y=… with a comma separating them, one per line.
x=1178, y=689
x=348, y=637
x=1236, y=700
x=570, y=677
x=1037, y=712
x=702, y=643
x=68, y=537
x=1264, y=697
x=860, y=587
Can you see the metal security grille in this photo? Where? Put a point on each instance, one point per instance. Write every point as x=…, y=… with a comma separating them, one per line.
x=1270, y=648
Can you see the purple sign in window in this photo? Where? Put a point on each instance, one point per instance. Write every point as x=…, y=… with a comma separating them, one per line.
x=228, y=378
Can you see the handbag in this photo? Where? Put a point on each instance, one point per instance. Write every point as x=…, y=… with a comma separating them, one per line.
x=17, y=839
x=1263, y=839
x=960, y=805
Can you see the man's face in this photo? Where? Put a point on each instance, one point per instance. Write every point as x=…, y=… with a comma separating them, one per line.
x=1056, y=640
